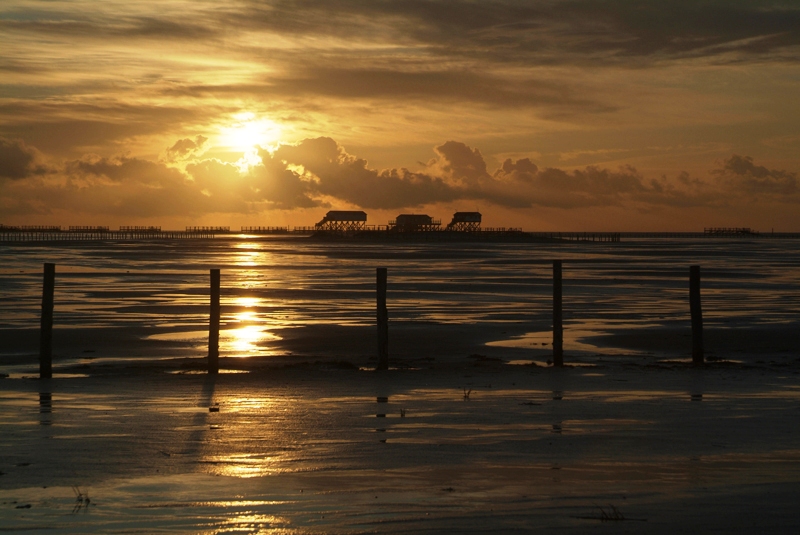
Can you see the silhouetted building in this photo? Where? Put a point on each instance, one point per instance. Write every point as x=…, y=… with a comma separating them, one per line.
x=465, y=221
x=343, y=220
x=414, y=223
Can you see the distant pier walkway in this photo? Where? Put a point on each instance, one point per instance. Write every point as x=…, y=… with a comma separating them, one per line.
x=125, y=233
x=23, y=234
x=381, y=233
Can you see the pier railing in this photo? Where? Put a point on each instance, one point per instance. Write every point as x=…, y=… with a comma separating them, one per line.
x=265, y=230
x=26, y=235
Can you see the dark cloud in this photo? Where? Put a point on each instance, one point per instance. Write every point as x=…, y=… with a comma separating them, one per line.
x=133, y=187
x=429, y=86
x=547, y=32
x=591, y=186
x=62, y=126
x=170, y=28
x=95, y=26
x=486, y=52
x=463, y=164
x=184, y=149
x=283, y=188
x=349, y=179
x=21, y=67
x=556, y=32
x=459, y=172
x=446, y=85
x=740, y=174
x=267, y=186
x=18, y=160
x=693, y=29
x=126, y=169
x=522, y=170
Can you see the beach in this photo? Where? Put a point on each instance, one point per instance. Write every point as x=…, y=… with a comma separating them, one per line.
x=470, y=430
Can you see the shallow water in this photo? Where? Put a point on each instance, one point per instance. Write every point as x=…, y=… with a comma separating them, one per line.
x=480, y=446
x=362, y=452
x=160, y=290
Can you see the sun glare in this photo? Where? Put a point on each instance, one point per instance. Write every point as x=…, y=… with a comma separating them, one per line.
x=246, y=134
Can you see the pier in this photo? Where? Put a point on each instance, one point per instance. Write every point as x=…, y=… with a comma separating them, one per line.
x=28, y=234
x=352, y=226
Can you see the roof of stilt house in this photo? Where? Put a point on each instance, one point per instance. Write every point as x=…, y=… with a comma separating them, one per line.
x=466, y=217
x=346, y=215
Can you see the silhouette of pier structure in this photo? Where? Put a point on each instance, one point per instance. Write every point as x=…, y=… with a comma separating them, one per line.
x=266, y=230
x=464, y=226
x=343, y=221
x=27, y=233
x=352, y=224
x=729, y=231
x=465, y=222
x=414, y=223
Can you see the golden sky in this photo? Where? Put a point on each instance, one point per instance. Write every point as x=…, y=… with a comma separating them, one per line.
x=547, y=115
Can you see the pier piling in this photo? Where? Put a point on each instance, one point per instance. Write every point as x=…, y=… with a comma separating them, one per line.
x=383, y=322
x=213, y=325
x=697, y=315
x=558, y=329
x=46, y=328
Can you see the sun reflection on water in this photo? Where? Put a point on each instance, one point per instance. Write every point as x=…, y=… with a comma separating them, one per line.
x=248, y=302
x=250, y=336
x=248, y=254
x=245, y=446
x=244, y=465
x=253, y=523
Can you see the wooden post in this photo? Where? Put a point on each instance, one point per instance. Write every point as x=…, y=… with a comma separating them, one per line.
x=558, y=328
x=213, y=325
x=697, y=315
x=46, y=327
x=383, y=322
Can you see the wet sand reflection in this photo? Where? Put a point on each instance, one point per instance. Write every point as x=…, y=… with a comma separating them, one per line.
x=45, y=408
x=245, y=466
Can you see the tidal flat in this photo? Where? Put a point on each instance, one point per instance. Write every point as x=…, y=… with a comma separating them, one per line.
x=470, y=430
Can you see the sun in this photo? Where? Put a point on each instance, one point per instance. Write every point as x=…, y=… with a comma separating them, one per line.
x=249, y=131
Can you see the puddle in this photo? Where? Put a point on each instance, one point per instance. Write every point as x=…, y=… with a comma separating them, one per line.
x=203, y=372
x=574, y=340
x=708, y=361
x=238, y=342
x=543, y=364
x=35, y=375
x=525, y=362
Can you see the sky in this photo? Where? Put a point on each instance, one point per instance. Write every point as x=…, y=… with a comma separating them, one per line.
x=605, y=115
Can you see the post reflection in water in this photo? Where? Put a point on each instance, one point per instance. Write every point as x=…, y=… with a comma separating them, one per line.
x=45, y=408
x=381, y=413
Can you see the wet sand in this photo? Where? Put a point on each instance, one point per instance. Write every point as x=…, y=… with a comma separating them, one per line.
x=517, y=454
x=470, y=431
x=465, y=444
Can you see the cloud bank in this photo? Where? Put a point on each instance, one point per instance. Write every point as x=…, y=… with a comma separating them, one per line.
x=18, y=161
x=318, y=172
